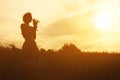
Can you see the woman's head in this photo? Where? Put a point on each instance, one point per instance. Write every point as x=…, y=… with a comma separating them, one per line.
x=27, y=17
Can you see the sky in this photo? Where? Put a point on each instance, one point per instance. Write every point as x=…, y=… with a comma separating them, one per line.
x=92, y=25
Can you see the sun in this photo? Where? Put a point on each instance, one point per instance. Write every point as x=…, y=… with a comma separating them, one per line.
x=103, y=20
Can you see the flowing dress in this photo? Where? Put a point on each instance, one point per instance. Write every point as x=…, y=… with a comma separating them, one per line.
x=29, y=48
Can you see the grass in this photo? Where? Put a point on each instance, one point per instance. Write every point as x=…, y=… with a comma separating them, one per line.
x=68, y=63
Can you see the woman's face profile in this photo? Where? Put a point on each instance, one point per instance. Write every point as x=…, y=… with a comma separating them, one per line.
x=27, y=17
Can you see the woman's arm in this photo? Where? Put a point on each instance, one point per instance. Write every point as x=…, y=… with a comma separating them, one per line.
x=24, y=31
x=35, y=23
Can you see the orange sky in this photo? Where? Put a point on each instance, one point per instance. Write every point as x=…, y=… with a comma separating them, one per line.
x=89, y=24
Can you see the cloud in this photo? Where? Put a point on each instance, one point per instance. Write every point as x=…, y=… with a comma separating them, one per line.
x=75, y=25
x=74, y=29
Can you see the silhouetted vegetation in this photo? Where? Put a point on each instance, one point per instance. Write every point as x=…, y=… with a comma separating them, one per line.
x=68, y=63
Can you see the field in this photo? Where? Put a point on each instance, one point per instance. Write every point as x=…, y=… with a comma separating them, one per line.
x=68, y=63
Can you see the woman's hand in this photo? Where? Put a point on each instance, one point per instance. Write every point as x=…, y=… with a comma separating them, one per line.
x=35, y=22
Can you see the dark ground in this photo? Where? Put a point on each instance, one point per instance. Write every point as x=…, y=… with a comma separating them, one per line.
x=69, y=63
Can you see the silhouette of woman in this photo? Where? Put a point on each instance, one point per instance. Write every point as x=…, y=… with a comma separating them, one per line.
x=29, y=34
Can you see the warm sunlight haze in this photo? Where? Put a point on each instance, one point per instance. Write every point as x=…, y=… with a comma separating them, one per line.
x=92, y=25
x=59, y=39
x=103, y=20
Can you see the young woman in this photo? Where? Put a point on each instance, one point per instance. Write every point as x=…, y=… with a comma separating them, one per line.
x=29, y=47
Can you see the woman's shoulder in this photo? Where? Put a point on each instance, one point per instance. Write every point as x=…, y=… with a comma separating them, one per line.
x=22, y=25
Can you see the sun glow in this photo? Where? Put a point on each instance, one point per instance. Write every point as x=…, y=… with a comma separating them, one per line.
x=103, y=20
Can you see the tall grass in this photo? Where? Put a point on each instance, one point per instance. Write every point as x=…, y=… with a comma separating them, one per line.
x=68, y=63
